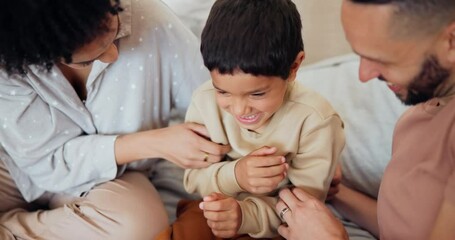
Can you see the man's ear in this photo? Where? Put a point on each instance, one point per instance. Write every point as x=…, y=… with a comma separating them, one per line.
x=296, y=65
x=450, y=38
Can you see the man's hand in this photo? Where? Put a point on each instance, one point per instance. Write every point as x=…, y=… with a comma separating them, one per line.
x=223, y=214
x=335, y=183
x=260, y=171
x=307, y=218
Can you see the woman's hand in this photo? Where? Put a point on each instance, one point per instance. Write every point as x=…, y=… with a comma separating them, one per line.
x=307, y=217
x=187, y=145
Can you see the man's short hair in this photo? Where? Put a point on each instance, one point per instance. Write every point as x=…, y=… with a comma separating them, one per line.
x=418, y=16
x=259, y=37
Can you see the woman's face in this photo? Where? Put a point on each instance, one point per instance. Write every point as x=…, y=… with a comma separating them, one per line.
x=101, y=48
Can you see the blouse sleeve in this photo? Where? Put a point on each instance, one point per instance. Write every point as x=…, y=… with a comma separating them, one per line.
x=47, y=145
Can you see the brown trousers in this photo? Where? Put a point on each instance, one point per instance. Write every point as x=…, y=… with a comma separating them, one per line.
x=191, y=224
x=126, y=208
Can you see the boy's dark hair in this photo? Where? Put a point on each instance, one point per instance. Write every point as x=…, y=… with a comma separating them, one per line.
x=259, y=37
x=419, y=16
x=372, y=1
x=39, y=32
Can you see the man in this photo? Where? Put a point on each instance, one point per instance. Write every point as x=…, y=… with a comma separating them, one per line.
x=410, y=45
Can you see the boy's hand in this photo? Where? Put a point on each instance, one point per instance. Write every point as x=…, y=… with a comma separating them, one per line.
x=223, y=214
x=260, y=172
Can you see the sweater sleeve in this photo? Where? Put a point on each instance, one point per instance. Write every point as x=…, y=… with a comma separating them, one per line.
x=321, y=143
x=218, y=177
x=259, y=219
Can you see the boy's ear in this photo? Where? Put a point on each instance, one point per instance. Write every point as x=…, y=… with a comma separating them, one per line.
x=296, y=65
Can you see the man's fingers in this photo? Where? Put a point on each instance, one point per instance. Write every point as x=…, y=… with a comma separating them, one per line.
x=335, y=181
x=283, y=230
x=333, y=191
x=280, y=205
x=288, y=198
x=301, y=194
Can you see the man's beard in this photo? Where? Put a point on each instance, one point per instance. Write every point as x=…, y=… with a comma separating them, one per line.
x=424, y=85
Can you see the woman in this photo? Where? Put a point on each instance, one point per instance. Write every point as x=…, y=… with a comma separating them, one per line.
x=87, y=89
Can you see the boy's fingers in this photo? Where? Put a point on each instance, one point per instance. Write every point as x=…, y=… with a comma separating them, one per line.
x=216, y=216
x=219, y=205
x=263, y=151
x=266, y=161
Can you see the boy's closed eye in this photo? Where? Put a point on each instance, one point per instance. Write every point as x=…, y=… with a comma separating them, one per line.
x=221, y=92
x=258, y=94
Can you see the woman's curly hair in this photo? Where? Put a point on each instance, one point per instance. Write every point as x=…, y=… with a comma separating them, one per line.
x=39, y=32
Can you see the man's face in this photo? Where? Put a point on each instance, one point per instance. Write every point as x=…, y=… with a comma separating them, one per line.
x=408, y=65
x=423, y=86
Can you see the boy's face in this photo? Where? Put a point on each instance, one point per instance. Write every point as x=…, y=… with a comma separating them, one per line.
x=251, y=100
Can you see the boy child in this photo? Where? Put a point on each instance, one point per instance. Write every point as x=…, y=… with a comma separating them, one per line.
x=280, y=132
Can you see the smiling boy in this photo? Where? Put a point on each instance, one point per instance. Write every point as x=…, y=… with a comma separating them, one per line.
x=281, y=133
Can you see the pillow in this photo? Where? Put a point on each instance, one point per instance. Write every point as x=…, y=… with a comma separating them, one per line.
x=369, y=112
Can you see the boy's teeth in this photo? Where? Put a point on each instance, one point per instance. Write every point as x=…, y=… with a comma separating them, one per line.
x=249, y=117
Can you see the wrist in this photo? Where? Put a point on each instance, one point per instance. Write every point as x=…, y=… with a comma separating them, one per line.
x=129, y=147
x=228, y=181
x=237, y=175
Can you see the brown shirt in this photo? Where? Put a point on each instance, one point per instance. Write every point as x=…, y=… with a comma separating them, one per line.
x=421, y=174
